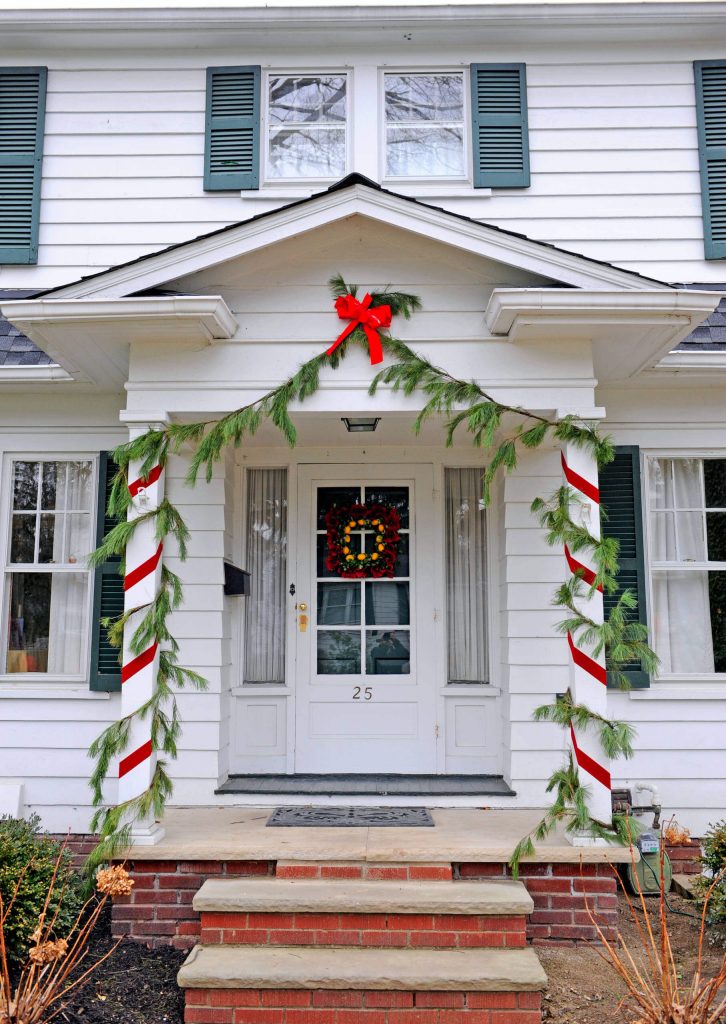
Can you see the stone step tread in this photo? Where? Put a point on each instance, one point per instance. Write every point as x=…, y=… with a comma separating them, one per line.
x=501, y=897
x=308, y=967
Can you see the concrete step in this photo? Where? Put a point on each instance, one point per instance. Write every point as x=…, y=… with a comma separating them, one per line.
x=409, y=970
x=501, y=897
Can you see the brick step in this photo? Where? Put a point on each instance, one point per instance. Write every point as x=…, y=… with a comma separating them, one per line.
x=307, y=985
x=422, y=871
x=363, y=913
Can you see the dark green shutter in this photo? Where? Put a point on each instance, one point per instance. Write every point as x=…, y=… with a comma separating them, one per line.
x=22, y=119
x=711, y=117
x=500, y=134
x=620, y=498
x=232, y=129
x=108, y=592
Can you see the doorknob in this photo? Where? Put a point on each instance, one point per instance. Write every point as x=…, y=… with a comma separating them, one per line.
x=302, y=606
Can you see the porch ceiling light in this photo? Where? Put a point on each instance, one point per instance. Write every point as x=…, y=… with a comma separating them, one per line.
x=361, y=426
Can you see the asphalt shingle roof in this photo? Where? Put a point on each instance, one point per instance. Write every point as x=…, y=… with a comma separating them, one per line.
x=15, y=348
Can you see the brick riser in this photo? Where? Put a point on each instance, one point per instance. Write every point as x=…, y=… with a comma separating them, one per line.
x=159, y=911
x=412, y=931
x=293, y=1006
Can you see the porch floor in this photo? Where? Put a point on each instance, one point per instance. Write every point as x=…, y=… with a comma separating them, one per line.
x=370, y=785
x=460, y=835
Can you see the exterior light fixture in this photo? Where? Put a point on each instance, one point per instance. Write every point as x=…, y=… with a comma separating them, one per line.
x=360, y=426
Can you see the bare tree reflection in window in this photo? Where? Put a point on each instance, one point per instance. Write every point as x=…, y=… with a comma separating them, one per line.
x=307, y=126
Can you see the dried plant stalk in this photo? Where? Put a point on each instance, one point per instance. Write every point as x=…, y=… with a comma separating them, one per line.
x=50, y=972
x=656, y=994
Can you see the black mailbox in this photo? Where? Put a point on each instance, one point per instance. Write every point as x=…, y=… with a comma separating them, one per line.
x=236, y=581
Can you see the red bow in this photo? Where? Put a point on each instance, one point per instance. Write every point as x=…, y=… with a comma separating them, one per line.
x=349, y=308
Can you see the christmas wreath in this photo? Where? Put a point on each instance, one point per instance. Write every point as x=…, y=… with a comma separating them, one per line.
x=343, y=521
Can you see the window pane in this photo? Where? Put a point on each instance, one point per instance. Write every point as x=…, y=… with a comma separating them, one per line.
x=424, y=97
x=334, y=497
x=25, y=485
x=53, y=485
x=309, y=99
x=47, y=617
x=387, y=604
x=660, y=478
x=424, y=151
x=714, y=471
x=717, y=601
x=338, y=604
x=388, y=653
x=50, y=546
x=466, y=577
x=687, y=483
x=664, y=537
x=67, y=485
x=22, y=539
x=392, y=496
x=338, y=652
x=264, y=655
x=716, y=530
x=691, y=542
x=682, y=622
x=78, y=543
x=306, y=152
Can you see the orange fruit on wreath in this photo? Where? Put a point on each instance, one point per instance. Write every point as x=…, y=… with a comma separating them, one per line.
x=361, y=557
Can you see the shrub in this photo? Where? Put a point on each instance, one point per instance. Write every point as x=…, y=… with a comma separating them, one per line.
x=714, y=879
x=28, y=860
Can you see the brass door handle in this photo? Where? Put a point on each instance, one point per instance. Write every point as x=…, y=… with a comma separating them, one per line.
x=302, y=606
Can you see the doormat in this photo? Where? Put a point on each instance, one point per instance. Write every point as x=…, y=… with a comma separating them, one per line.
x=351, y=817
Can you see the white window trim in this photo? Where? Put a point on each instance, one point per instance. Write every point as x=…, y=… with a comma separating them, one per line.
x=668, y=682
x=15, y=682
x=426, y=184
x=302, y=186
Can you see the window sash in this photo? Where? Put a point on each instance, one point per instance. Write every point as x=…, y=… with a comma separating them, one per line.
x=430, y=124
x=273, y=128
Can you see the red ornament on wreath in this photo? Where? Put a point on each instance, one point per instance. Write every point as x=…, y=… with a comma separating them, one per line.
x=343, y=522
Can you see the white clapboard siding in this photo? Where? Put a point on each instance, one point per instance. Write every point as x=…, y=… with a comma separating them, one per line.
x=604, y=131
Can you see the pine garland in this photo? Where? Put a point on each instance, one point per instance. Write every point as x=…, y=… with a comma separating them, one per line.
x=463, y=404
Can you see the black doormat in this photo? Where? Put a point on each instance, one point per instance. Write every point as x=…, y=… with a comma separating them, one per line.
x=351, y=817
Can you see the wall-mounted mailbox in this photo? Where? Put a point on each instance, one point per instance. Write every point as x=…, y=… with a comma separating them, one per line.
x=236, y=581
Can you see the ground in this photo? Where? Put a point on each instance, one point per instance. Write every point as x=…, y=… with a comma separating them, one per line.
x=137, y=985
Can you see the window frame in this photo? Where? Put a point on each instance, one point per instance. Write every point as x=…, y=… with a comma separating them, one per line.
x=8, y=568
x=466, y=178
x=270, y=181
x=654, y=566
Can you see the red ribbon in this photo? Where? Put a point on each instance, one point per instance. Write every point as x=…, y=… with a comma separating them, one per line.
x=371, y=320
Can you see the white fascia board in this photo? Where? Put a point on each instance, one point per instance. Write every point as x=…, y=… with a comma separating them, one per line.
x=681, y=311
x=205, y=315
x=694, y=364
x=15, y=375
x=328, y=207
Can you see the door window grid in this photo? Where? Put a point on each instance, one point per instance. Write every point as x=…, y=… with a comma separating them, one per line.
x=363, y=649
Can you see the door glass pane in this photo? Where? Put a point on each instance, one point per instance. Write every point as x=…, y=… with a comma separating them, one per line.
x=388, y=652
x=338, y=652
x=339, y=604
x=401, y=565
x=323, y=571
x=466, y=577
x=332, y=497
x=387, y=604
x=392, y=496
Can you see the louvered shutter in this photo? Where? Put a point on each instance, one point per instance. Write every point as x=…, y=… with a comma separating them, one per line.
x=621, y=501
x=22, y=118
x=711, y=117
x=108, y=592
x=232, y=135
x=500, y=134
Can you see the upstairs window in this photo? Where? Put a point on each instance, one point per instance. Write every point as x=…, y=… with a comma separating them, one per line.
x=424, y=125
x=307, y=126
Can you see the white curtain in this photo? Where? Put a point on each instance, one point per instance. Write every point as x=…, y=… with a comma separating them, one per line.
x=68, y=495
x=466, y=577
x=681, y=607
x=264, y=653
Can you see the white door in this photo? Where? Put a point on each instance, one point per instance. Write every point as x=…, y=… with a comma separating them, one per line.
x=365, y=677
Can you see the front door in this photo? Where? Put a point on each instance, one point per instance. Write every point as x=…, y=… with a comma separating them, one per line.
x=365, y=686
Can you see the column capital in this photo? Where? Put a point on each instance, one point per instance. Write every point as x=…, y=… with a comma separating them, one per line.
x=140, y=422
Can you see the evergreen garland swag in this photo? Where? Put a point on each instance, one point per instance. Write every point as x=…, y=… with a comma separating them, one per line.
x=462, y=404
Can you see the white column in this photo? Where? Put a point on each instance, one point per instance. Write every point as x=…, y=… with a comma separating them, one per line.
x=139, y=670
x=587, y=672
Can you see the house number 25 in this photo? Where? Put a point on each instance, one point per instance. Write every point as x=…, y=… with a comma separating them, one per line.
x=367, y=693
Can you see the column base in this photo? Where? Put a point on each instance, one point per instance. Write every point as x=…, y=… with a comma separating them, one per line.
x=147, y=833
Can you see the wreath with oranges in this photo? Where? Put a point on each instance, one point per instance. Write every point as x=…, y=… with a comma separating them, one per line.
x=345, y=521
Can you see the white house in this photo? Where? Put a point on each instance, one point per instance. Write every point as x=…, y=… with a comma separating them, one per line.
x=176, y=189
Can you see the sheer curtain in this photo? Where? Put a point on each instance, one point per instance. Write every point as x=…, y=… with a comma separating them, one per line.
x=466, y=577
x=66, y=491
x=681, y=606
x=264, y=657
